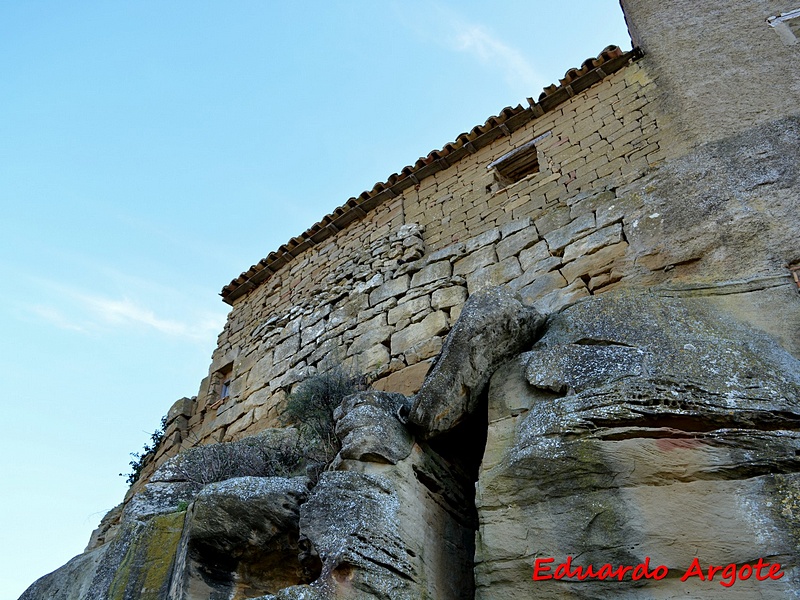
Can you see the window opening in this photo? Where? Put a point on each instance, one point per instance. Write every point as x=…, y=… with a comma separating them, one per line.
x=222, y=385
x=787, y=26
x=517, y=164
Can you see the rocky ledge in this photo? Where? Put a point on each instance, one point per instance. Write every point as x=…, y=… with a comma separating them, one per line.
x=626, y=429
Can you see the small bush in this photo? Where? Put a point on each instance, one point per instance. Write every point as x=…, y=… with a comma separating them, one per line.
x=148, y=453
x=311, y=407
x=257, y=456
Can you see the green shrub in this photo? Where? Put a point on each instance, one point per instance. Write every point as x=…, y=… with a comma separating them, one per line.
x=310, y=407
x=140, y=459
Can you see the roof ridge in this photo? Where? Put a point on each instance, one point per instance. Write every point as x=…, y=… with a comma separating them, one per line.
x=575, y=80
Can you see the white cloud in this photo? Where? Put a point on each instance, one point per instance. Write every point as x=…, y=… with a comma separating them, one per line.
x=126, y=312
x=450, y=29
x=54, y=317
x=490, y=50
x=76, y=310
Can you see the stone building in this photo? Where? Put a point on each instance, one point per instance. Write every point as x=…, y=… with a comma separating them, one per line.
x=645, y=207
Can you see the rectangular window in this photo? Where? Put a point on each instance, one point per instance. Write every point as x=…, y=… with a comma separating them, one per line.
x=517, y=164
x=787, y=26
x=221, y=386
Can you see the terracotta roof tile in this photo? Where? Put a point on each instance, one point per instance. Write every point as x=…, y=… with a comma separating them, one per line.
x=610, y=60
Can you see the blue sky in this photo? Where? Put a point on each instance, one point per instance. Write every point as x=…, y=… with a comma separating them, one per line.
x=151, y=151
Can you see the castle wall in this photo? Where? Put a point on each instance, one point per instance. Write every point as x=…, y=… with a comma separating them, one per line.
x=381, y=295
x=660, y=174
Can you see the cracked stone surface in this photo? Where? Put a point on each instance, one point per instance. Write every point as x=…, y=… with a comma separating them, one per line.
x=641, y=426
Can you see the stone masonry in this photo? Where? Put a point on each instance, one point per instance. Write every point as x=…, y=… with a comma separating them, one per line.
x=380, y=294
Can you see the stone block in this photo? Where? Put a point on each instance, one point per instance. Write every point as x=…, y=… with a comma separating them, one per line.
x=484, y=239
x=588, y=202
x=434, y=324
x=379, y=309
x=240, y=425
x=570, y=232
x=432, y=272
x=290, y=329
x=367, y=323
x=534, y=272
x=515, y=226
x=601, y=280
x=244, y=362
x=348, y=310
x=557, y=299
x=622, y=206
x=286, y=349
x=370, y=337
x=267, y=409
x=593, y=264
x=516, y=242
x=423, y=350
x=476, y=260
x=311, y=319
x=238, y=386
x=374, y=359
x=308, y=335
x=455, y=312
x=229, y=415
x=406, y=381
x=294, y=375
x=365, y=287
x=409, y=309
x=541, y=286
x=533, y=255
x=448, y=252
x=179, y=425
x=553, y=219
x=328, y=347
x=493, y=275
x=447, y=297
x=181, y=408
x=390, y=289
x=593, y=242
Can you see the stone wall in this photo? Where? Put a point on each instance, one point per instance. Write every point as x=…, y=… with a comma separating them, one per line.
x=624, y=195
x=381, y=295
x=601, y=212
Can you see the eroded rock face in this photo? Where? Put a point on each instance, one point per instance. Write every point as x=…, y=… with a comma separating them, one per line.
x=493, y=326
x=641, y=426
x=369, y=426
x=238, y=539
x=70, y=582
x=241, y=539
x=396, y=520
x=638, y=427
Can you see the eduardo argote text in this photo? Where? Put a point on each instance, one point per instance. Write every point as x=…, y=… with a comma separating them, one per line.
x=726, y=575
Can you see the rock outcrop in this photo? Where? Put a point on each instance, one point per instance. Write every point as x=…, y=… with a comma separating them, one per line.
x=493, y=326
x=638, y=429
x=641, y=426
